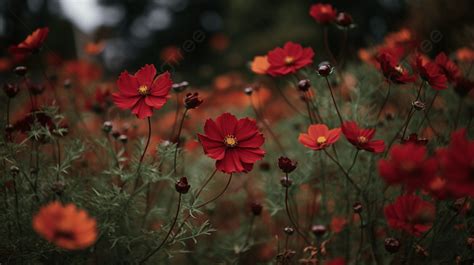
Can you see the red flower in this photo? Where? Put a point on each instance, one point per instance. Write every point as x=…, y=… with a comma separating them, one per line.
x=234, y=144
x=323, y=13
x=430, y=72
x=392, y=70
x=457, y=164
x=409, y=166
x=289, y=59
x=319, y=136
x=411, y=214
x=31, y=44
x=448, y=67
x=362, y=138
x=142, y=92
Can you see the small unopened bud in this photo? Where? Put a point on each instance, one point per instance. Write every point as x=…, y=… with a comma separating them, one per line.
x=256, y=208
x=116, y=134
x=392, y=245
x=344, y=20
x=180, y=87
x=182, y=185
x=470, y=242
x=123, y=138
x=58, y=187
x=418, y=105
x=286, y=165
x=11, y=90
x=248, y=91
x=9, y=128
x=318, y=230
x=20, y=70
x=304, y=85
x=325, y=69
x=289, y=230
x=192, y=100
x=14, y=170
x=107, y=127
x=67, y=83
x=357, y=207
x=286, y=182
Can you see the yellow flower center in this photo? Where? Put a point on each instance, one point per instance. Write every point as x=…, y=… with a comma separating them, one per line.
x=321, y=140
x=230, y=141
x=143, y=90
x=289, y=60
x=362, y=139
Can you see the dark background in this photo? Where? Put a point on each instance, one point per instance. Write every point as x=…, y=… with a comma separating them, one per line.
x=221, y=36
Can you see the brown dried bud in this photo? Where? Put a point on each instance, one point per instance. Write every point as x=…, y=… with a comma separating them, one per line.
x=20, y=70
x=256, y=208
x=11, y=90
x=357, y=207
x=304, y=85
x=192, y=100
x=392, y=245
x=182, y=185
x=286, y=165
x=318, y=230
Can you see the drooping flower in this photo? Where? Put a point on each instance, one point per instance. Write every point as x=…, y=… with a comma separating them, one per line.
x=259, y=65
x=142, y=92
x=66, y=226
x=31, y=44
x=234, y=143
x=323, y=13
x=392, y=70
x=289, y=59
x=457, y=164
x=362, y=138
x=411, y=214
x=430, y=72
x=448, y=67
x=319, y=136
x=408, y=165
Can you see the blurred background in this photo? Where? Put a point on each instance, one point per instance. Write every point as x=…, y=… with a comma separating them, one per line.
x=200, y=39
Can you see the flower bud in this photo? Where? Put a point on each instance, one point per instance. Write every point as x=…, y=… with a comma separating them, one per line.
x=325, y=69
x=248, y=91
x=107, y=127
x=289, y=230
x=180, y=87
x=357, y=207
x=9, y=128
x=11, y=90
x=392, y=245
x=192, y=100
x=286, y=182
x=256, y=208
x=470, y=242
x=58, y=187
x=344, y=20
x=36, y=89
x=286, y=165
x=123, y=138
x=20, y=70
x=304, y=85
x=116, y=134
x=67, y=83
x=318, y=230
x=418, y=105
x=14, y=170
x=182, y=185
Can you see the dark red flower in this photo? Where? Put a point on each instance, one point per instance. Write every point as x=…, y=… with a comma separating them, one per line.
x=286, y=165
x=289, y=59
x=408, y=165
x=392, y=70
x=323, y=13
x=192, y=100
x=411, y=214
x=457, y=164
x=362, y=138
x=31, y=44
x=234, y=144
x=448, y=67
x=430, y=72
x=142, y=92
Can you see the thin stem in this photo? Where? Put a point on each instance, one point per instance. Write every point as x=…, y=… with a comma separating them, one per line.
x=353, y=161
x=288, y=102
x=58, y=147
x=177, y=141
x=429, y=107
x=308, y=108
x=8, y=111
x=175, y=115
x=326, y=45
x=205, y=184
x=344, y=171
x=17, y=207
x=361, y=239
x=167, y=234
x=458, y=113
x=291, y=218
x=143, y=155
x=334, y=100
x=343, y=47
x=387, y=96
x=218, y=195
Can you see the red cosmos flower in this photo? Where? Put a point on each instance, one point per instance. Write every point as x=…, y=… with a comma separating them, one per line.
x=323, y=13
x=392, y=70
x=31, y=44
x=457, y=164
x=430, y=72
x=142, y=92
x=448, y=67
x=362, y=138
x=319, y=136
x=289, y=59
x=234, y=144
x=409, y=166
x=411, y=214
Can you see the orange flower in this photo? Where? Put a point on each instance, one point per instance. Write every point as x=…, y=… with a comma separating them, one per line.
x=65, y=226
x=465, y=54
x=259, y=65
x=94, y=48
x=319, y=136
